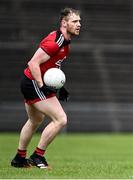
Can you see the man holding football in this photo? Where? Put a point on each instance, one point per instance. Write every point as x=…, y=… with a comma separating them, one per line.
x=41, y=100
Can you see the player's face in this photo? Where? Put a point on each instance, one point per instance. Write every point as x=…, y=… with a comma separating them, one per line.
x=73, y=24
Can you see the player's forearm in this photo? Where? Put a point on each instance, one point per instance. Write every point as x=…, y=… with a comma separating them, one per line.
x=36, y=73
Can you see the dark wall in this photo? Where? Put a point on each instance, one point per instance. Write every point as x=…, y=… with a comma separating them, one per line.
x=99, y=68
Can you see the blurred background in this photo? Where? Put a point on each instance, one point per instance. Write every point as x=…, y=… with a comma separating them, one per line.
x=99, y=68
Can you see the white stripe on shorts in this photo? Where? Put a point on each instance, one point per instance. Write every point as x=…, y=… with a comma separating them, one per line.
x=39, y=93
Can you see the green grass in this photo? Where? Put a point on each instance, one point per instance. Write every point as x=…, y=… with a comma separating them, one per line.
x=91, y=156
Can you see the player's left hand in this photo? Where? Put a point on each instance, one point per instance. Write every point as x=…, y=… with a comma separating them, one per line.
x=63, y=94
x=48, y=90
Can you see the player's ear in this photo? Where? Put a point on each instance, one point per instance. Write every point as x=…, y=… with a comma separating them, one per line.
x=63, y=23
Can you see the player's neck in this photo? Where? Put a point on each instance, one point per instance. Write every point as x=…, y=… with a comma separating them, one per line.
x=66, y=35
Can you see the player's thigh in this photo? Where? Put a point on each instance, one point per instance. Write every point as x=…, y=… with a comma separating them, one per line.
x=33, y=114
x=52, y=108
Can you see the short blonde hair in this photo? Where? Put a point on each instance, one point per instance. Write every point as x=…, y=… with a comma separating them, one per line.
x=67, y=11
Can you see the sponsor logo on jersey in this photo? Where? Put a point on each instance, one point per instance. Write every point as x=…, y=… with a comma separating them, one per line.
x=58, y=63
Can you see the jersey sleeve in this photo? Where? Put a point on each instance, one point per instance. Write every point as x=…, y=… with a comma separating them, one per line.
x=49, y=46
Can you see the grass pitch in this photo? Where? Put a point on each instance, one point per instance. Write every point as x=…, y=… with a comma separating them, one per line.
x=75, y=156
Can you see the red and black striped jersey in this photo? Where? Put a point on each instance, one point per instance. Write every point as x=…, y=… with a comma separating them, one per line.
x=57, y=47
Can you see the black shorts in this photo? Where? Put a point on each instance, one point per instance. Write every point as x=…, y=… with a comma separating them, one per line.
x=31, y=91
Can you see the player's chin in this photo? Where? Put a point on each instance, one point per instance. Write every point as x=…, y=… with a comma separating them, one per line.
x=75, y=33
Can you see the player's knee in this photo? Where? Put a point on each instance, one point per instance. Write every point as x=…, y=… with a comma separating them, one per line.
x=62, y=119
